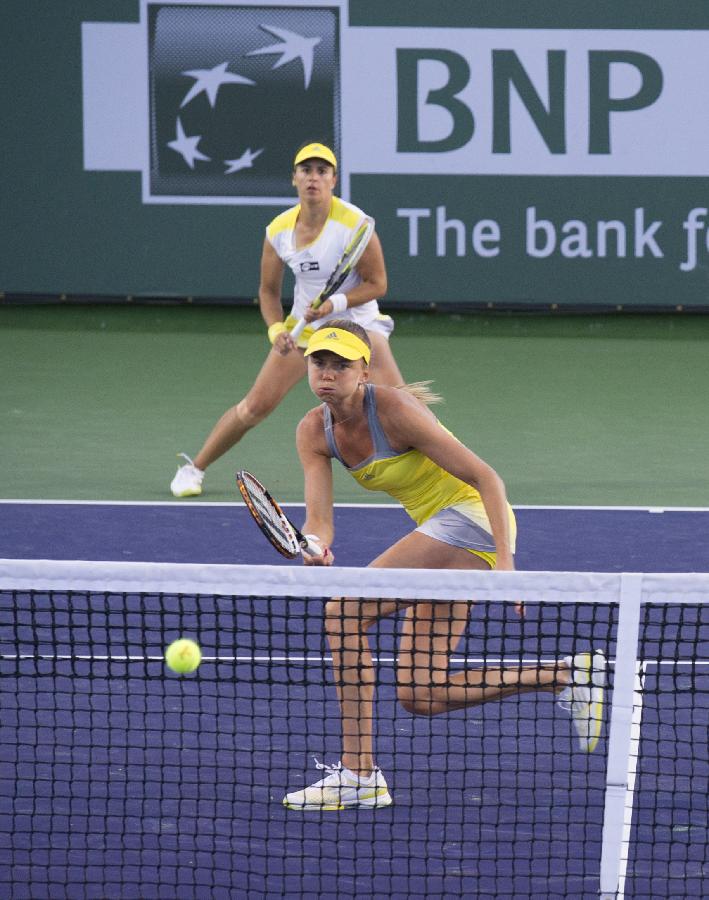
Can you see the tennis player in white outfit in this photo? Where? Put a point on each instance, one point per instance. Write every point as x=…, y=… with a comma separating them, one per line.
x=309, y=238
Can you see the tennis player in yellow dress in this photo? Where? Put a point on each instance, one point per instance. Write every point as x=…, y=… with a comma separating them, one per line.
x=389, y=440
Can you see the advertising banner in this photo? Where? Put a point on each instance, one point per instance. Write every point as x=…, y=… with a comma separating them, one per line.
x=505, y=166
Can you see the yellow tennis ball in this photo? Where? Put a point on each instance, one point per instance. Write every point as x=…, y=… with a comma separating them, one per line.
x=183, y=656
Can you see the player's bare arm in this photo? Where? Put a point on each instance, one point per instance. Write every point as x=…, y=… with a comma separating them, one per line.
x=269, y=295
x=317, y=470
x=271, y=281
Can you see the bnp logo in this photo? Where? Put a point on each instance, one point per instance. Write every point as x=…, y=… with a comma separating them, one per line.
x=510, y=82
x=234, y=90
x=210, y=100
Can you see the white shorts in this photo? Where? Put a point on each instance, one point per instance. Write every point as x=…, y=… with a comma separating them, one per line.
x=380, y=323
x=469, y=530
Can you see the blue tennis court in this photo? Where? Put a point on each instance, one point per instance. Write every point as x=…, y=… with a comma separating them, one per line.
x=118, y=779
x=550, y=538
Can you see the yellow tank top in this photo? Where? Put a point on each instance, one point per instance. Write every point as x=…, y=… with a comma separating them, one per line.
x=421, y=486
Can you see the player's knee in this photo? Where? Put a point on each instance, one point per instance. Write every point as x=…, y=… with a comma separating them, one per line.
x=251, y=412
x=416, y=701
x=344, y=615
x=335, y=618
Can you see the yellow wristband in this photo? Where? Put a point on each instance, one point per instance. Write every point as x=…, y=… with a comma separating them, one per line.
x=276, y=329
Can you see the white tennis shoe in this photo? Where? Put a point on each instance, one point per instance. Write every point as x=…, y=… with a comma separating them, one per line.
x=188, y=479
x=584, y=696
x=341, y=789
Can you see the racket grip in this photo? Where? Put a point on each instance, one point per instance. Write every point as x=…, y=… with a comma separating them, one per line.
x=299, y=326
x=311, y=545
x=298, y=329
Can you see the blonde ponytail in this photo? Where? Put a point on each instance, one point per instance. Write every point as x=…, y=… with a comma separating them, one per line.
x=422, y=392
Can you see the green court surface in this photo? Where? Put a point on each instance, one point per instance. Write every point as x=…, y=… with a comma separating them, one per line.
x=588, y=410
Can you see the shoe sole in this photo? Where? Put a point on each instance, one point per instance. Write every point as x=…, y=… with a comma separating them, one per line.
x=597, y=679
x=370, y=803
x=596, y=723
x=187, y=494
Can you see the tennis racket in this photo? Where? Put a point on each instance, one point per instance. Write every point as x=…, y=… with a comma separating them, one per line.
x=349, y=259
x=271, y=519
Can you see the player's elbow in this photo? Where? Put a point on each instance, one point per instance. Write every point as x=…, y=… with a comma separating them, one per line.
x=269, y=298
x=382, y=286
x=376, y=283
x=487, y=479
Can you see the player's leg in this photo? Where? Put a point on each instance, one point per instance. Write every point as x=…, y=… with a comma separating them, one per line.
x=356, y=780
x=431, y=633
x=425, y=685
x=383, y=368
x=277, y=376
x=347, y=621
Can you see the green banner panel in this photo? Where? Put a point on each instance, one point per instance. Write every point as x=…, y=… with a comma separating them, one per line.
x=542, y=241
x=514, y=154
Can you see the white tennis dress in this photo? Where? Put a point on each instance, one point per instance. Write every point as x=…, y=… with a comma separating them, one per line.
x=311, y=265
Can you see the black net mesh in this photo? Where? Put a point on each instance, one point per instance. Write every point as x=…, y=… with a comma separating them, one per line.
x=119, y=778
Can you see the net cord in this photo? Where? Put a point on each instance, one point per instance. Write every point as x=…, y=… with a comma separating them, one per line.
x=296, y=581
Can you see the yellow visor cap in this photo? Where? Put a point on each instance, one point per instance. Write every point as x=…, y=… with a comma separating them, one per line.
x=315, y=151
x=338, y=341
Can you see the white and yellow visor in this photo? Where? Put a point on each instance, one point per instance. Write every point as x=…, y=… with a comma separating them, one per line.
x=338, y=341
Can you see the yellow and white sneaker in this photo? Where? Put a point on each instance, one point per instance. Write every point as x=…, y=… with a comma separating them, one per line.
x=584, y=696
x=188, y=479
x=341, y=789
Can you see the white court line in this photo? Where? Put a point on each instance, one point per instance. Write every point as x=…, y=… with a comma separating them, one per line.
x=455, y=660
x=201, y=504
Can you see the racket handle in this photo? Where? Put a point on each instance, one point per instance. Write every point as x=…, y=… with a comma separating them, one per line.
x=298, y=329
x=300, y=325
x=311, y=545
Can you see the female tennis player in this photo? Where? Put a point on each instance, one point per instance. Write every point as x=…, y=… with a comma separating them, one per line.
x=309, y=238
x=389, y=440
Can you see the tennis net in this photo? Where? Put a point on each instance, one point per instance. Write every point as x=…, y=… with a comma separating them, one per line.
x=119, y=778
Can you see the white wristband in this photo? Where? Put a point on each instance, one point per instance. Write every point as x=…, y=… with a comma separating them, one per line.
x=314, y=541
x=339, y=302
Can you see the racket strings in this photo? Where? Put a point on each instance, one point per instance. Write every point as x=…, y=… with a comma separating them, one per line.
x=269, y=514
x=348, y=260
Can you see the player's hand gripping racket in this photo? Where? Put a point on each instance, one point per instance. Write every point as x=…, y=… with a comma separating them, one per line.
x=349, y=259
x=271, y=519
